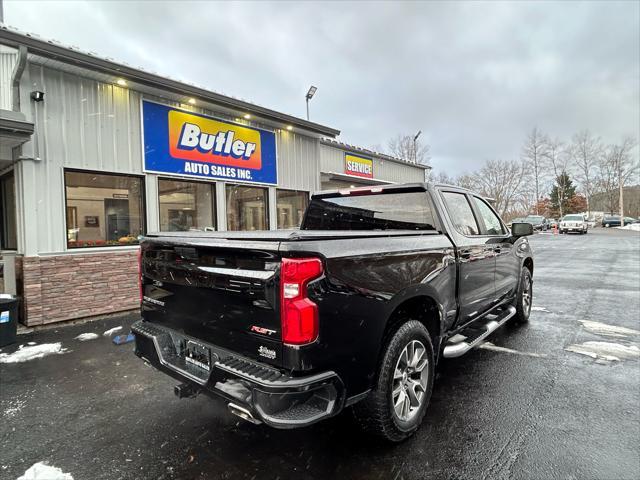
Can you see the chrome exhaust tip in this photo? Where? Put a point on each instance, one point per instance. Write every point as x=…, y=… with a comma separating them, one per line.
x=243, y=413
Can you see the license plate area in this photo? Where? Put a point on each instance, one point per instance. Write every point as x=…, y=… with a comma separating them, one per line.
x=197, y=354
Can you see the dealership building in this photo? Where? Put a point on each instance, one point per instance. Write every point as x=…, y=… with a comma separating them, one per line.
x=95, y=153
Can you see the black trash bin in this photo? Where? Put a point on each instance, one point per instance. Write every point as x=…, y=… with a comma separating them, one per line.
x=8, y=319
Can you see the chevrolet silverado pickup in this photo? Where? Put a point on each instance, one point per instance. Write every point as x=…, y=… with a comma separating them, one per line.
x=354, y=309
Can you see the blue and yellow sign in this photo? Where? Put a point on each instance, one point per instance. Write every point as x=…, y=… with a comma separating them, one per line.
x=189, y=144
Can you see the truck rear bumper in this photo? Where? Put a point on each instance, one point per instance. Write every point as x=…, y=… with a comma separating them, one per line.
x=253, y=391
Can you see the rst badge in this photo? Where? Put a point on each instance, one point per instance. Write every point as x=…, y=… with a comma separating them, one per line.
x=262, y=330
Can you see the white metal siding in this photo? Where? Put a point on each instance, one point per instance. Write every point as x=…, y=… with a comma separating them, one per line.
x=8, y=60
x=298, y=161
x=87, y=124
x=332, y=160
x=83, y=124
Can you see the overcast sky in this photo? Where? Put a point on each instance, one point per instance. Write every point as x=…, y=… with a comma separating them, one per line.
x=474, y=77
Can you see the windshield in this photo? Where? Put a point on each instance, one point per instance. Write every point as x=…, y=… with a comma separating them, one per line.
x=573, y=218
x=534, y=218
x=384, y=211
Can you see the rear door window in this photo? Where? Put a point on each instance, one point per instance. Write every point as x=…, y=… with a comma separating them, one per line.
x=461, y=213
x=492, y=223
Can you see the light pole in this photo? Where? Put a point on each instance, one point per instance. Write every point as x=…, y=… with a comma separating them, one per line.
x=309, y=96
x=415, y=146
x=621, y=187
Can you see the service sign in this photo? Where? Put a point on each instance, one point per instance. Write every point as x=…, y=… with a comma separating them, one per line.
x=358, y=166
x=178, y=142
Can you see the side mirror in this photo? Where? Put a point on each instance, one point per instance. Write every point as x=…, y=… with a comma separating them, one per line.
x=521, y=229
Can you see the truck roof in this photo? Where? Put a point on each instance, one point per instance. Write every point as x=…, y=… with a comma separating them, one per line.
x=397, y=187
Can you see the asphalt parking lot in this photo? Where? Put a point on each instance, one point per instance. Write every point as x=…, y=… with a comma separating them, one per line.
x=559, y=398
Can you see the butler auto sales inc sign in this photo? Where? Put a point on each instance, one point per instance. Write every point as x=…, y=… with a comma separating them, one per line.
x=183, y=143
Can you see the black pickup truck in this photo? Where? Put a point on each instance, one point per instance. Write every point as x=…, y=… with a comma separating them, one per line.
x=354, y=309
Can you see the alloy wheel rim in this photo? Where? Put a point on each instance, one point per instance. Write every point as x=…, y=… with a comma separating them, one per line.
x=410, y=379
x=526, y=295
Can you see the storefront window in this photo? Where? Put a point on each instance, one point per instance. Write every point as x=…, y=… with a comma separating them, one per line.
x=246, y=208
x=291, y=206
x=103, y=209
x=7, y=213
x=186, y=205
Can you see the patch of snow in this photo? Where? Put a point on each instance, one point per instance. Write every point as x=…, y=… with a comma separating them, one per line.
x=83, y=337
x=633, y=226
x=31, y=343
x=608, y=330
x=495, y=348
x=31, y=353
x=14, y=408
x=605, y=350
x=42, y=471
x=111, y=330
x=540, y=309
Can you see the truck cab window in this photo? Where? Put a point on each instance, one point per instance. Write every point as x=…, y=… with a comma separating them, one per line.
x=491, y=220
x=461, y=213
x=382, y=211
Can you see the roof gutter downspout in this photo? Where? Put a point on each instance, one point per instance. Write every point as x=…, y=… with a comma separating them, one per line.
x=16, y=76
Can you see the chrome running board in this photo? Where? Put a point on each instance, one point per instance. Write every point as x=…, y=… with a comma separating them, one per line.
x=459, y=348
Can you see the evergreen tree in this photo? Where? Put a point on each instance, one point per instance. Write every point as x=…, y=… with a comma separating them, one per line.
x=562, y=192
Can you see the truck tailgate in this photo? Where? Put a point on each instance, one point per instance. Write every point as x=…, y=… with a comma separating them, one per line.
x=225, y=295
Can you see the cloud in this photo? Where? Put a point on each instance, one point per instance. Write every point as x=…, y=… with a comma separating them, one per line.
x=474, y=77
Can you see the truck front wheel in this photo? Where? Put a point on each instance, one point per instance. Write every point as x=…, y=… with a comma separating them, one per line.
x=395, y=407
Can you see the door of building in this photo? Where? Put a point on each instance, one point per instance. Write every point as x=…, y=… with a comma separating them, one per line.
x=117, y=214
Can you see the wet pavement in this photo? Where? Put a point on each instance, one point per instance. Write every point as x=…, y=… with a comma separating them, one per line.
x=97, y=412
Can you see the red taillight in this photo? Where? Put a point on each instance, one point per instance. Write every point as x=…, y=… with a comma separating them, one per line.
x=299, y=315
x=140, y=273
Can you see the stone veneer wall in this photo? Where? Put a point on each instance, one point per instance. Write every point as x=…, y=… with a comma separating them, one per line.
x=78, y=285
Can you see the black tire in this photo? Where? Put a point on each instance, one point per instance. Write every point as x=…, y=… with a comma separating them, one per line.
x=376, y=414
x=524, y=298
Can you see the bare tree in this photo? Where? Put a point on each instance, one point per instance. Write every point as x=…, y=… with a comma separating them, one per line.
x=410, y=149
x=558, y=158
x=586, y=151
x=607, y=180
x=533, y=153
x=467, y=180
x=500, y=180
x=624, y=165
x=441, y=177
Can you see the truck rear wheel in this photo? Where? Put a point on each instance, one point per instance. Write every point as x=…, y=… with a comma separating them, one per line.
x=394, y=409
x=524, y=299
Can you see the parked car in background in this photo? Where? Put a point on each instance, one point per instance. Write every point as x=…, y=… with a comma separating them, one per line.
x=574, y=223
x=614, y=221
x=538, y=221
x=591, y=222
x=553, y=223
